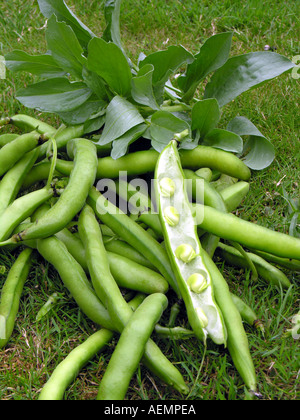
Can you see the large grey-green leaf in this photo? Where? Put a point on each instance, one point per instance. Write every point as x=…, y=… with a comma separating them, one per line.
x=95, y=83
x=64, y=14
x=258, y=151
x=213, y=54
x=112, y=18
x=65, y=47
x=108, y=61
x=142, y=89
x=54, y=95
x=84, y=112
x=40, y=65
x=163, y=127
x=165, y=63
x=225, y=140
x=244, y=72
x=205, y=116
x=121, y=116
x=121, y=144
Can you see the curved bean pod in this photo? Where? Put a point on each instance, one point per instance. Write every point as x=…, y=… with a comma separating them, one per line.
x=104, y=284
x=38, y=173
x=69, y=368
x=265, y=270
x=12, y=152
x=288, y=263
x=75, y=280
x=11, y=293
x=130, y=348
x=120, y=247
x=27, y=123
x=132, y=233
x=62, y=138
x=127, y=273
x=20, y=210
x=12, y=181
x=133, y=276
x=73, y=197
x=7, y=138
x=237, y=340
x=247, y=313
x=217, y=159
x=110, y=294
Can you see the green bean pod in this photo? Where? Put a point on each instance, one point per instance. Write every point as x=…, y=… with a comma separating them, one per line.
x=230, y=227
x=184, y=248
x=133, y=234
x=12, y=181
x=20, y=210
x=104, y=284
x=7, y=138
x=143, y=162
x=12, y=152
x=111, y=296
x=133, y=276
x=120, y=247
x=62, y=138
x=73, y=197
x=266, y=271
x=235, y=194
x=237, y=341
x=131, y=347
x=27, y=123
x=127, y=273
x=174, y=333
x=39, y=172
x=11, y=294
x=217, y=159
x=288, y=263
x=247, y=313
x=75, y=280
x=68, y=369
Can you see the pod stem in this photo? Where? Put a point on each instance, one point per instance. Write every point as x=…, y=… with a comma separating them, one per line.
x=53, y=162
x=250, y=263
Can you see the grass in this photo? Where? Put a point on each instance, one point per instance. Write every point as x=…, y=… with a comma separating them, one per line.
x=37, y=347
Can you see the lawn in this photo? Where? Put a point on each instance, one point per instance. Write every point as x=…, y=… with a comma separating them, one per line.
x=37, y=347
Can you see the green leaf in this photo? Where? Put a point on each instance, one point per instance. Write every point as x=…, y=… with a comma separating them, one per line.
x=245, y=72
x=64, y=14
x=163, y=127
x=205, y=116
x=112, y=18
x=95, y=83
x=39, y=65
x=94, y=123
x=259, y=152
x=65, y=47
x=84, y=112
x=213, y=54
x=165, y=63
x=225, y=140
x=54, y=95
x=142, y=90
x=121, y=116
x=120, y=145
x=108, y=61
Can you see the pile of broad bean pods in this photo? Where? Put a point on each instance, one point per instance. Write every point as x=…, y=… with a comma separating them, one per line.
x=154, y=244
